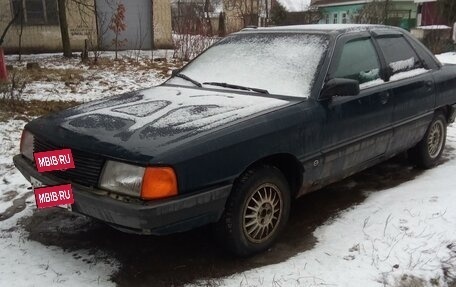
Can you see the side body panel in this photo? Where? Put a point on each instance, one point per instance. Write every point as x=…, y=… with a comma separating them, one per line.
x=414, y=102
x=445, y=81
x=294, y=131
x=356, y=130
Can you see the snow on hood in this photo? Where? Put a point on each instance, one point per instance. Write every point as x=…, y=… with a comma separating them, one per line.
x=166, y=111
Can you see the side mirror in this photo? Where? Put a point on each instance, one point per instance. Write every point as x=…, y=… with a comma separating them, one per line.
x=340, y=87
x=175, y=72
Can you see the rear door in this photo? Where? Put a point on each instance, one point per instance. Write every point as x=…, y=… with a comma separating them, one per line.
x=357, y=128
x=411, y=86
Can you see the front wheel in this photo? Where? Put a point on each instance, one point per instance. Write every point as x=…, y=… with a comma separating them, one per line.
x=256, y=212
x=428, y=151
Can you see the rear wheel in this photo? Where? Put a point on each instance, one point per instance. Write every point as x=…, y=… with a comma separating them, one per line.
x=428, y=151
x=256, y=212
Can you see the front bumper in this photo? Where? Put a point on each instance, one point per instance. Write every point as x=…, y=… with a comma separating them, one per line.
x=154, y=217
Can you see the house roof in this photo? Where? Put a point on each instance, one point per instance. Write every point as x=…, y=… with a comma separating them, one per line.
x=337, y=2
x=324, y=3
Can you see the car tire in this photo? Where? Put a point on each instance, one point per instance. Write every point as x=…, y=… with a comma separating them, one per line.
x=428, y=151
x=256, y=212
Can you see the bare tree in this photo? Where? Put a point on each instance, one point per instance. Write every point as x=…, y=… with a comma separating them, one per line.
x=207, y=8
x=247, y=10
x=21, y=30
x=266, y=9
x=62, y=5
x=86, y=11
x=84, y=7
x=448, y=10
x=118, y=25
x=221, y=25
x=375, y=12
x=16, y=15
x=189, y=17
x=278, y=14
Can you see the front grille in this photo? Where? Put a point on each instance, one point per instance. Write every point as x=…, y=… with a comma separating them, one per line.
x=87, y=166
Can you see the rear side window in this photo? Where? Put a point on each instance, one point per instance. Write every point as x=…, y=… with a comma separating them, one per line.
x=359, y=61
x=399, y=55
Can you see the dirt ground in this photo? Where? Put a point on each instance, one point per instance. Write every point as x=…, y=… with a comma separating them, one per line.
x=194, y=256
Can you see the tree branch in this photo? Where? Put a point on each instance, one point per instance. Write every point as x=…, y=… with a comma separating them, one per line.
x=2, y=38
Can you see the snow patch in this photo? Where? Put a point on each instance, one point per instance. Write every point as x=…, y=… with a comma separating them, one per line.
x=434, y=27
x=28, y=263
x=403, y=65
x=283, y=64
x=408, y=74
x=175, y=108
x=447, y=58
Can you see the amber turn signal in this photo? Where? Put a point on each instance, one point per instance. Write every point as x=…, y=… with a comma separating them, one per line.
x=158, y=182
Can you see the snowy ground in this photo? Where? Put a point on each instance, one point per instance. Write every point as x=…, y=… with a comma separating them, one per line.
x=407, y=230
x=28, y=263
x=85, y=82
x=396, y=237
x=449, y=58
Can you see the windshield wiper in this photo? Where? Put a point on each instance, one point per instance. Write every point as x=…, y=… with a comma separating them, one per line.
x=238, y=87
x=185, y=77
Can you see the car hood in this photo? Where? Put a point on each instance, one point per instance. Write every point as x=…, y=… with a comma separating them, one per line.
x=140, y=124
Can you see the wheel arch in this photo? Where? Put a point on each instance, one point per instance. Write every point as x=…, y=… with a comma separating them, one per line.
x=287, y=163
x=447, y=111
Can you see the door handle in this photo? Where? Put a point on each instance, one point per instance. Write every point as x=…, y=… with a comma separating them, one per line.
x=429, y=85
x=384, y=98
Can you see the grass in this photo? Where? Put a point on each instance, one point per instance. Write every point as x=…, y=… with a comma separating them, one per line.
x=25, y=110
x=126, y=64
x=49, y=74
x=13, y=104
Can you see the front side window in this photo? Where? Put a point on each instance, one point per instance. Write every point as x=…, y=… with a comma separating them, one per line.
x=281, y=63
x=35, y=12
x=359, y=61
x=399, y=55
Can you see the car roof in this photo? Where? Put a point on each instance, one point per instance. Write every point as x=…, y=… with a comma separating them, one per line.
x=322, y=28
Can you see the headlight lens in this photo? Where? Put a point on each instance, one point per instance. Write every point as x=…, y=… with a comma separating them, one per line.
x=27, y=144
x=122, y=178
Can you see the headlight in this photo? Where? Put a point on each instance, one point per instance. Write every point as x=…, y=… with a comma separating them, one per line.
x=122, y=178
x=27, y=144
x=148, y=183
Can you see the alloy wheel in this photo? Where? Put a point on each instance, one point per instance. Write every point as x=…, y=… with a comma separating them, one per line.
x=435, y=139
x=262, y=213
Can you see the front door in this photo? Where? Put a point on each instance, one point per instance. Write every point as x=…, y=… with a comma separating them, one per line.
x=357, y=128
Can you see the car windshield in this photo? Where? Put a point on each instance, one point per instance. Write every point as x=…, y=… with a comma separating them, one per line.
x=274, y=63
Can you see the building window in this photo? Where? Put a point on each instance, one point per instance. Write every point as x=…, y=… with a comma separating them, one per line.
x=344, y=18
x=335, y=18
x=36, y=12
x=327, y=19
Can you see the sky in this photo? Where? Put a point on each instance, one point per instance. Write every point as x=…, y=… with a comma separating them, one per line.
x=295, y=5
